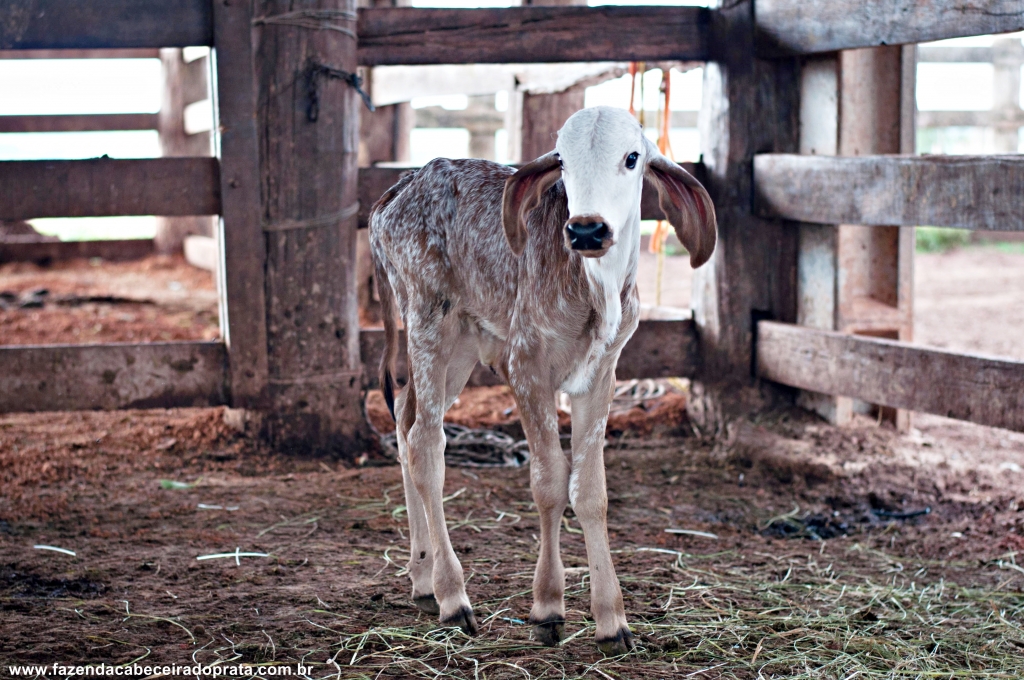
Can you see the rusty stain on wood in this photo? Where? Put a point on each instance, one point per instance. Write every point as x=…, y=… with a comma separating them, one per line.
x=985, y=390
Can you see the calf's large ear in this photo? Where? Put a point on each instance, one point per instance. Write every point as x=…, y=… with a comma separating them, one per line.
x=523, y=192
x=686, y=205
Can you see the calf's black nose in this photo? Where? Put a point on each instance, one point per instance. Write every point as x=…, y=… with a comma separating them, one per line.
x=586, y=235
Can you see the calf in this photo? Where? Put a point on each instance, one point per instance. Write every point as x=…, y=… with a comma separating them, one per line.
x=532, y=273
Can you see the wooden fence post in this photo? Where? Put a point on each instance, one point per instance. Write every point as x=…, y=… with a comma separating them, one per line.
x=750, y=106
x=856, y=279
x=544, y=114
x=383, y=137
x=817, y=266
x=308, y=128
x=241, y=279
x=184, y=83
x=876, y=264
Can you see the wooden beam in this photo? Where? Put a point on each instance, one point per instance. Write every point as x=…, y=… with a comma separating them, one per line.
x=983, y=390
x=969, y=192
x=989, y=118
x=801, y=27
x=79, y=122
x=944, y=54
x=374, y=181
x=750, y=106
x=308, y=161
x=103, y=187
x=531, y=34
x=241, y=282
x=46, y=252
x=74, y=24
x=658, y=349
x=137, y=53
x=113, y=376
x=182, y=374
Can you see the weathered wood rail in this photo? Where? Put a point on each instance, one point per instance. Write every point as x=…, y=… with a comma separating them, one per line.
x=45, y=253
x=373, y=182
x=799, y=27
x=985, y=390
x=969, y=192
x=390, y=35
x=177, y=374
x=163, y=186
x=106, y=187
x=73, y=24
x=758, y=105
x=79, y=123
x=531, y=34
x=113, y=376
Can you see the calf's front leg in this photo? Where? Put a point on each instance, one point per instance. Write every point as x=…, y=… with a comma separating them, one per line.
x=588, y=494
x=549, y=476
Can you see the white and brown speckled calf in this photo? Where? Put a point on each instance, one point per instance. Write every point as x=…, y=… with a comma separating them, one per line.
x=533, y=274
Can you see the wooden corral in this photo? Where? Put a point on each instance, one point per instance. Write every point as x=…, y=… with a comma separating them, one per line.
x=807, y=108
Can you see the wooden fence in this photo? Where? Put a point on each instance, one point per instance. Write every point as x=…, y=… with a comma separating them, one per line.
x=293, y=347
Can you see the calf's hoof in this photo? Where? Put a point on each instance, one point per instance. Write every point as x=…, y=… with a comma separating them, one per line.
x=464, y=619
x=618, y=645
x=550, y=631
x=427, y=604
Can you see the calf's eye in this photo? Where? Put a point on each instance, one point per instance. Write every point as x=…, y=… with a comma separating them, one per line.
x=631, y=160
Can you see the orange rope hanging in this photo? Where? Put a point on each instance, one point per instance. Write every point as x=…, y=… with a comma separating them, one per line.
x=657, y=242
x=632, y=87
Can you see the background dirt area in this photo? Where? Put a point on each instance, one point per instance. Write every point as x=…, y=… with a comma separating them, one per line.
x=806, y=551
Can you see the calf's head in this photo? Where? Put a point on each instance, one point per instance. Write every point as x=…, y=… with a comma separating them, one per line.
x=602, y=158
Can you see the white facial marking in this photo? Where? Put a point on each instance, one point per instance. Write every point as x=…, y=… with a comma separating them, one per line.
x=593, y=146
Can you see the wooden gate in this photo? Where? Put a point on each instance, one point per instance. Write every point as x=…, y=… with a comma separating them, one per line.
x=285, y=185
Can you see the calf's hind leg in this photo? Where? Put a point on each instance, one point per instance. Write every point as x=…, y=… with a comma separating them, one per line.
x=421, y=558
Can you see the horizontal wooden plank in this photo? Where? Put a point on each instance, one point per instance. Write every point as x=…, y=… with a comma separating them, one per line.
x=658, y=349
x=137, y=53
x=46, y=252
x=78, y=24
x=802, y=27
x=969, y=192
x=79, y=123
x=103, y=187
x=178, y=374
x=1011, y=118
x=946, y=54
x=983, y=390
x=373, y=182
x=87, y=377
x=406, y=35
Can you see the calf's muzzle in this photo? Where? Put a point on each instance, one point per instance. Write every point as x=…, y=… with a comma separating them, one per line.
x=590, y=235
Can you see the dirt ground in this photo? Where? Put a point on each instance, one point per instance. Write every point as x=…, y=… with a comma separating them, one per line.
x=821, y=552
x=158, y=299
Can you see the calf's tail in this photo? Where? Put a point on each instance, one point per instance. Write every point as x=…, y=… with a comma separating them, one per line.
x=387, y=297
